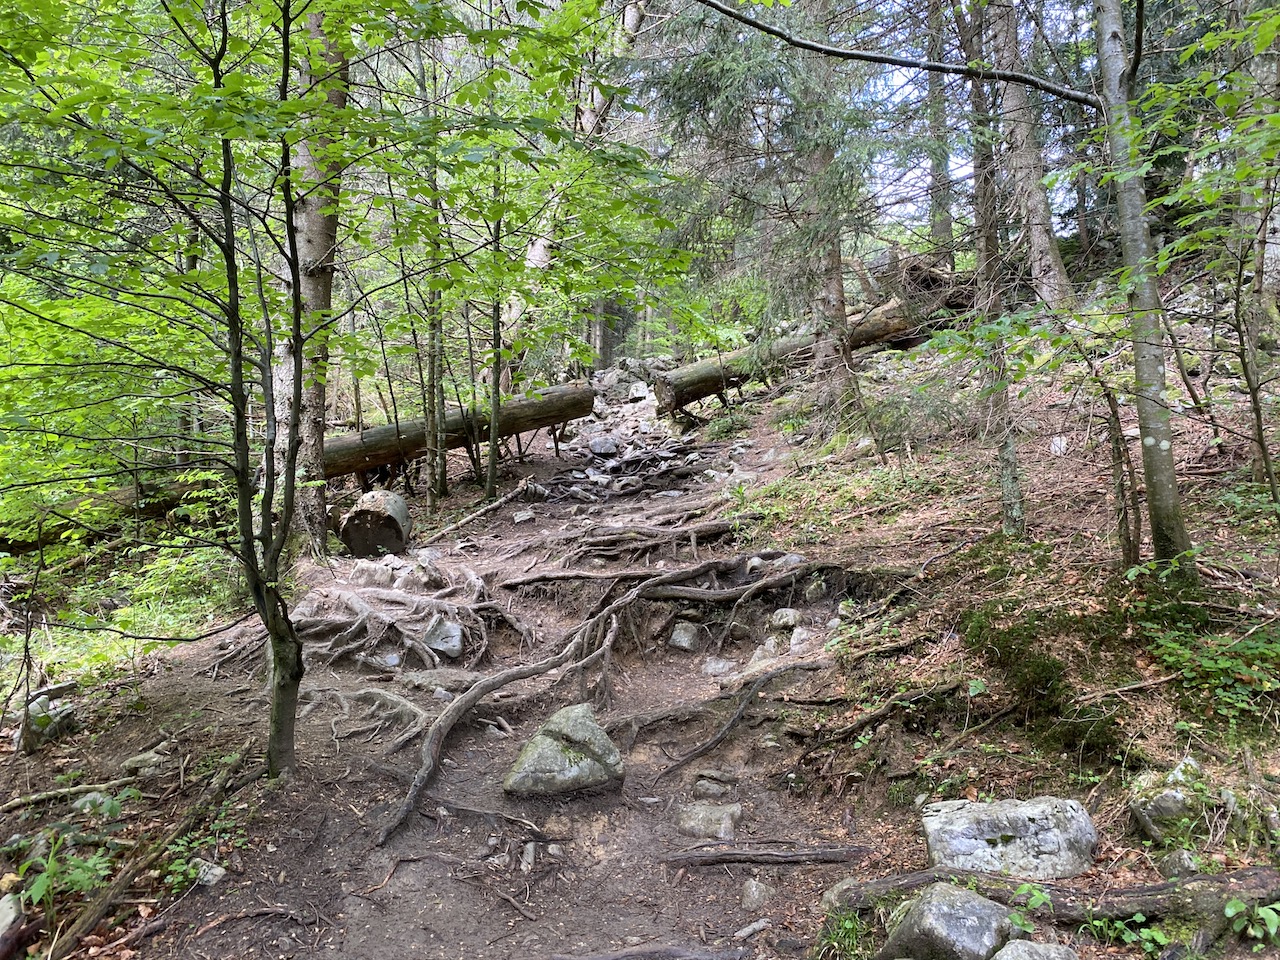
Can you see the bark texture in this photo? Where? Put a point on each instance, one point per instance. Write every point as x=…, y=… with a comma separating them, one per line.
x=1168, y=529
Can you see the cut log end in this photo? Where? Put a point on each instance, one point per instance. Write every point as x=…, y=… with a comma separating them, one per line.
x=378, y=524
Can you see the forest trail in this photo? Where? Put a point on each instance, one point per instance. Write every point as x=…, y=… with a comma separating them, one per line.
x=475, y=873
x=827, y=692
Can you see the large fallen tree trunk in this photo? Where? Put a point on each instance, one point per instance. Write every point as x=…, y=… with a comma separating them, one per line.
x=379, y=446
x=892, y=323
x=343, y=454
x=715, y=375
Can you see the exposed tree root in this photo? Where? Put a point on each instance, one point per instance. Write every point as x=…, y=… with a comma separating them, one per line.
x=803, y=856
x=878, y=713
x=456, y=710
x=747, y=699
x=636, y=541
x=659, y=953
x=517, y=491
x=63, y=793
x=386, y=604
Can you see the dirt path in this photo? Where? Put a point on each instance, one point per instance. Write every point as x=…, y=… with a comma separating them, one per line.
x=476, y=874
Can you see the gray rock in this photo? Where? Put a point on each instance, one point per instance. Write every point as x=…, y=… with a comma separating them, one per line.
x=1039, y=839
x=755, y=894
x=784, y=618
x=713, y=785
x=815, y=590
x=708, y=821
x=445, y=638
x=790, y=560
x=45, y=720
x=569, y=752
x=150, y=763
x=1168, y=805
x=719, y=667
x=522, y=516
x=447, y=678
x=638, y=391
x=1180, y=863
x=949, y=923
x=685, y=636
x=208, y=873
x=1026, y=950
x=754, y=566
x=604, y=446
x=765, y=652
x=10, y=914
x=801, y=640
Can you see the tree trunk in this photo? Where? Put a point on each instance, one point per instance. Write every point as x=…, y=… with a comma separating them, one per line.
x=990, y=304
x=1025, y=164
x=379, y=446
x=941, y=222
x=315, y=224
x=1168, y=530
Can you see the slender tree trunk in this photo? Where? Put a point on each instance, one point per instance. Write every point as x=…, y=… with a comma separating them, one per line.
x=941, y=222
x=1169, y=536
x=1025, y=164
x=1013, y=514
x=315, y=222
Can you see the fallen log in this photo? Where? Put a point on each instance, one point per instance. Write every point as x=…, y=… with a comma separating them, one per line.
x=380, y=446
x=343, y=454
x=1200, y=900
x=894, y=323
x=715, y=375
x=802, y=856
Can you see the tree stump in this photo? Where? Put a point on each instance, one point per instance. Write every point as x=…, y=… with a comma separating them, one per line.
x=378, y=524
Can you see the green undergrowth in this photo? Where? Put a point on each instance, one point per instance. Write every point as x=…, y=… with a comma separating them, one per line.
x=1226, y=667
x=102, y=622
x=826, y=502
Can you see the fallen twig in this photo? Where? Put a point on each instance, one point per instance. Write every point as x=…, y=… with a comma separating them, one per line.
x=747, y=699
x=488, y=508
x=879, y=713
x=1127, y=688
x=63, y=792
x=703, y=858
x=97, y=908
x=250, y=914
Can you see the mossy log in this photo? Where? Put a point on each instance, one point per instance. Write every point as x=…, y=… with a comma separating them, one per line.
x=894, y=323
x=343, y=454
x=380, y=446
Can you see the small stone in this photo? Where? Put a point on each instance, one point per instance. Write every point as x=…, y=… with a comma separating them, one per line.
x=603, y=446
x=785, y=618
x=801, y=640
x=755, y=894
x=951, y=922
x=10, y=914
x=440, y=693
x=755, y=565
x=638, y=392
x=711, y=790
x=739, y=631
x=766, y=651
x=522, y=516
x=815, y=590
x=445, y=638
x=719, y=667
x=1180, y=863
x=708, y=821
x=208, y=874
x=1026, y=950
x=685, y=636
x=787, y=561
x=570, y=752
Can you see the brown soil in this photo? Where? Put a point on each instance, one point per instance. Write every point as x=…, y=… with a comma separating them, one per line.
x=476, y=874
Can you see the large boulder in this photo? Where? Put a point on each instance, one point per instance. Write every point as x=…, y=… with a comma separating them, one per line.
x=949, y=923
x=1041, y=839
x=569, y=752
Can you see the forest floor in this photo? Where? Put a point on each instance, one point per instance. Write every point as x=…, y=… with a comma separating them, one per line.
x=894, y=572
